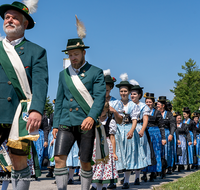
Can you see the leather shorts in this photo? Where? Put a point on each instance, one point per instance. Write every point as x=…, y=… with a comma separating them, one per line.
x=66, y=137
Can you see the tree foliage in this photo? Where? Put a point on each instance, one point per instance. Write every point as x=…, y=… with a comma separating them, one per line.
x=187, y=89
x=48, y=107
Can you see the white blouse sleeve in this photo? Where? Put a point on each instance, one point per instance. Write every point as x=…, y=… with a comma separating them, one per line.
x=146, y=110
x=135, y=112
x=112, y=127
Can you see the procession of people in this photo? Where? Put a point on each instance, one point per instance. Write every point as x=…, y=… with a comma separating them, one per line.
x=89, y=130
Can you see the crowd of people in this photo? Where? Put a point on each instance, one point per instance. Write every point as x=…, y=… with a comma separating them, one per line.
x=90, y=130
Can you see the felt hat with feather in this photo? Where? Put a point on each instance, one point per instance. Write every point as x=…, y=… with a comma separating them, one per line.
x=26, y=8
x=124, y=82
x=135, y=85
x=108, y=78
x=77, y=43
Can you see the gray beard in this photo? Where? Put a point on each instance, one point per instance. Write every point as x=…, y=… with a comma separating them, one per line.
x=17, y=31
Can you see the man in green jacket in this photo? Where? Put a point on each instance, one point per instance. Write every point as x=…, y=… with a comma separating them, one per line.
x=23, y=89
x=73, y=119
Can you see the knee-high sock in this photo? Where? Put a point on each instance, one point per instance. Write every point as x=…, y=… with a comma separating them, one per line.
x=94, y=185
x=137, y=174
x=71, y=173
x=86, y=179
x=21, y=179
x=61, y=178
x=99, y=186
x=127, y=175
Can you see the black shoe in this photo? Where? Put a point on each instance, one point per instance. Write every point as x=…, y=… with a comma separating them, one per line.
x=125, y=186
x=111, y=186
x=71, y=181
x=179, y=168
x=137, y=182
x=122, y=181
x=144, y=178
x=93, y=188
x=104, y=188
x=151, y=179
x=50, y=174
x=163, y=175
x=188, y=168
x=169, y=171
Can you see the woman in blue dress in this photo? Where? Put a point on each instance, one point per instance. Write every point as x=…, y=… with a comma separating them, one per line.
x=156, y=132
x=184, y=137
x=126, y=155
x=142, y=148
x=195, y=117
x=170, y=127
x=192, y=129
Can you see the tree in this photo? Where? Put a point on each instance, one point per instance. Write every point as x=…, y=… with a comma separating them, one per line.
x=187, y=89
x=48, y=107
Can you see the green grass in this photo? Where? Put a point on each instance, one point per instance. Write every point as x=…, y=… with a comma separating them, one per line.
x=191, y=182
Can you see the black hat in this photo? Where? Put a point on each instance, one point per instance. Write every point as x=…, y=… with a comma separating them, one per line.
x=149, y=95
x=108, y=78
x=162, y=99
x=124, y=81
x=135, y=85
x=186, y=109
x=195, y=114
x=175, y=114
x=76, y=43
x=20, y=7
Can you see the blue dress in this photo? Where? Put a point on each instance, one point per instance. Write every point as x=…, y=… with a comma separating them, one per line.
x=198, y=144
x=168, y=148
x=126, y=148
x=142, y=151
x=39, y=146
x=155, y=120
x=191, y=147
x=182, y=160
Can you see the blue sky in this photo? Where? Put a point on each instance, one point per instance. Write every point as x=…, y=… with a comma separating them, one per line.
x=147, y=39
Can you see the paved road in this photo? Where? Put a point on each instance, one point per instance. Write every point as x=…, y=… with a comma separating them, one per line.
x=44, y=183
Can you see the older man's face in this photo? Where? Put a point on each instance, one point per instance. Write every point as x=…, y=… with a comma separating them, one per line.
x=14, y=24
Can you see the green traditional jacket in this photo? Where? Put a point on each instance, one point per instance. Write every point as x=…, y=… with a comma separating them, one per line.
x=67, y=110
x=34, y=59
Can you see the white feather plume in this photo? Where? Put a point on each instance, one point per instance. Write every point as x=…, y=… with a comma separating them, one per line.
x=1, y=37
x=133, y=82
x=32, y=5
x=80, y=28
x=106, y=72
x=124, y=77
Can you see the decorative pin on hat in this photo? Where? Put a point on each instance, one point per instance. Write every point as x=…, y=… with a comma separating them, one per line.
x=26, y=8
x=107, y=77
x=162, y=99
x=77, y=43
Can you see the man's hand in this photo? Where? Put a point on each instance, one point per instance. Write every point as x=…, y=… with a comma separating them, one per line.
x=87, y=124
x=51, y=144
x=170, y=137
x=34, y=121
x=195, y=142
x=55, y=131
x=45, y=144
x=179, y=142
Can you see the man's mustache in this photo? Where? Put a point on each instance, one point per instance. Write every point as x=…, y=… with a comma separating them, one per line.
x=10, y=25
